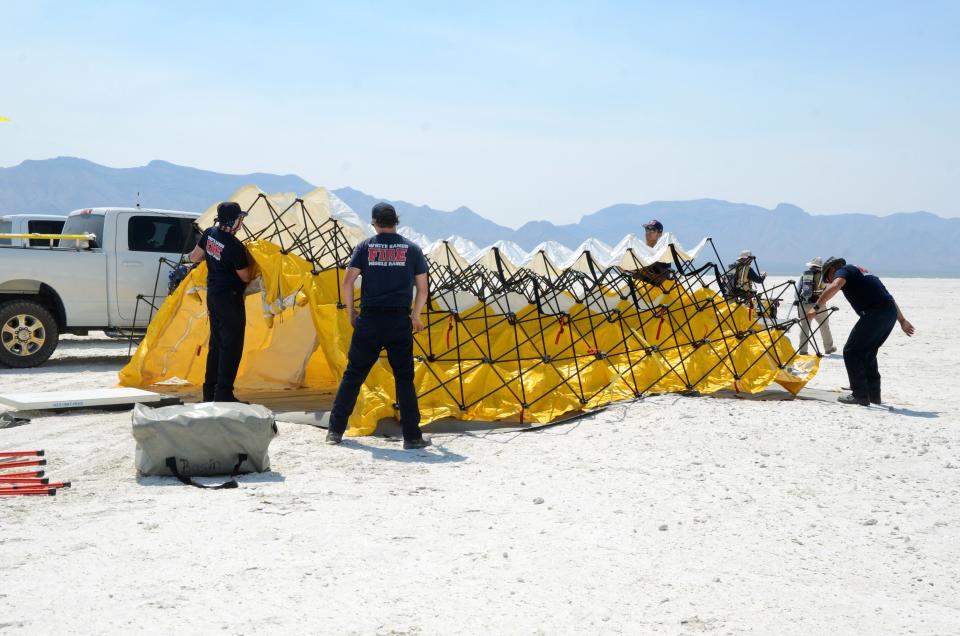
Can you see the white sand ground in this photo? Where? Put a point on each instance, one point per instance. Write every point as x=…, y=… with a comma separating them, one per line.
x=672, y=515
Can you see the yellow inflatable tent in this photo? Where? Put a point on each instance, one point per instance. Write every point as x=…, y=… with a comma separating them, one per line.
x=525, y=342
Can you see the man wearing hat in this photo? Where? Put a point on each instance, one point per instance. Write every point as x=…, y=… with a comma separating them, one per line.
x=228, y=272
x=391, y=267
x=811, y=286
x=878, y=312
x=741, y=276
x=654, y=273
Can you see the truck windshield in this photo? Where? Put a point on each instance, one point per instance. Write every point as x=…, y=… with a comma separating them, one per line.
x=5, y=228
x=86, y=223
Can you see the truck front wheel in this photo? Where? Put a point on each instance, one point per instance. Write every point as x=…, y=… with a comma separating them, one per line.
x=28, y=334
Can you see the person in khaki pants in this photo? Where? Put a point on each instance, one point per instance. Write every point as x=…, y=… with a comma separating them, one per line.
x=811, y=286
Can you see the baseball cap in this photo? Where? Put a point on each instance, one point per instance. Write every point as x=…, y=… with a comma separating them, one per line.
x=653, y=224
x=384, y=214
x=228, y=212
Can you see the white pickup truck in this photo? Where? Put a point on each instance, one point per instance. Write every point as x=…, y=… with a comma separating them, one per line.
x=88, y=285
x=19, y=224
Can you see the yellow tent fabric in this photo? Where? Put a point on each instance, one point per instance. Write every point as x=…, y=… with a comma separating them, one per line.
x=478, y=363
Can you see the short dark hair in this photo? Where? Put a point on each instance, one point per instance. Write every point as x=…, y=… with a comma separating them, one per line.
x=385, y=215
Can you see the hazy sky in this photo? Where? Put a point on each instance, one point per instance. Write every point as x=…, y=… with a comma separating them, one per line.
x=518, y=110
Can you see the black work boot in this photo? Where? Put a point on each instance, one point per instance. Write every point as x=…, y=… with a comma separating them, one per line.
x=413, y=444
x=227, y=396
x=852, y=399
x=334, y=438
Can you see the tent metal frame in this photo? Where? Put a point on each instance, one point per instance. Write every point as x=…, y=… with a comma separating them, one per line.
x=600, y=295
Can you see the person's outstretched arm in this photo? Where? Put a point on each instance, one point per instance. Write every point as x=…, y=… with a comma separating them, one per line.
x=904, y=323
x=829, y=292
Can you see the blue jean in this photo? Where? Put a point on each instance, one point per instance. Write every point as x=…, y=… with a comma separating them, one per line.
x=377, y=329
x=860, y=352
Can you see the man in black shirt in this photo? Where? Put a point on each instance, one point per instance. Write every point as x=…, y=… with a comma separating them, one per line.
x=391, y=266
x=228, y=272
x=878, y=312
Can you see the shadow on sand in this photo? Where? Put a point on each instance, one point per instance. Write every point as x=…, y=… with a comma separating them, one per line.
x=818, y=395
x=435, y=454
x=74, y=363
x=268, y=477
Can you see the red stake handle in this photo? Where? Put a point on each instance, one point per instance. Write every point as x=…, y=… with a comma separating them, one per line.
x=37, y=491
x=32, y=462
x=30, y=453
x=8, y=487
x=23, y=480
x=32, y=473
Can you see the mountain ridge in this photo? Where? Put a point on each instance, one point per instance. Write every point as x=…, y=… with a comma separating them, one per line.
x=783, y=238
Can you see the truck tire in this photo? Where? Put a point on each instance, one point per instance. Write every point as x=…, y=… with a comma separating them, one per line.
x=28, y=334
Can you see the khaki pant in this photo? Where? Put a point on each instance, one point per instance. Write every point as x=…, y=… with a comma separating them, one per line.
x=805, y=335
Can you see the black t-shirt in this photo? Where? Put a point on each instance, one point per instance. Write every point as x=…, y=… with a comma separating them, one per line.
x=863, y=290
x=225, y=254
x=388, y=263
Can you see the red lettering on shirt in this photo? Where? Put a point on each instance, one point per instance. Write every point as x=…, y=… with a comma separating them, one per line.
x=214, y=248
x=386, y=255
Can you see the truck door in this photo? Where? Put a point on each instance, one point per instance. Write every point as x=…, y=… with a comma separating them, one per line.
x=142, y=240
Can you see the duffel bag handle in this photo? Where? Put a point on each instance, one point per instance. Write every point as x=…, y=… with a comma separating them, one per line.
x=172, y=465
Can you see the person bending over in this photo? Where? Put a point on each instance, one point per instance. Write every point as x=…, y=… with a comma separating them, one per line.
x=878, y=313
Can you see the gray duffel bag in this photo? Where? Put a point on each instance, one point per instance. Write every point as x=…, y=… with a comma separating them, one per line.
x=209, y=438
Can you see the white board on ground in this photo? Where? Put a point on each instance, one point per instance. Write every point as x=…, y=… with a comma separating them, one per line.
x=78, y=399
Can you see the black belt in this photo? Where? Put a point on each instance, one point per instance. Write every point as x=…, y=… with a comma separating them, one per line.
x=385, y=310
